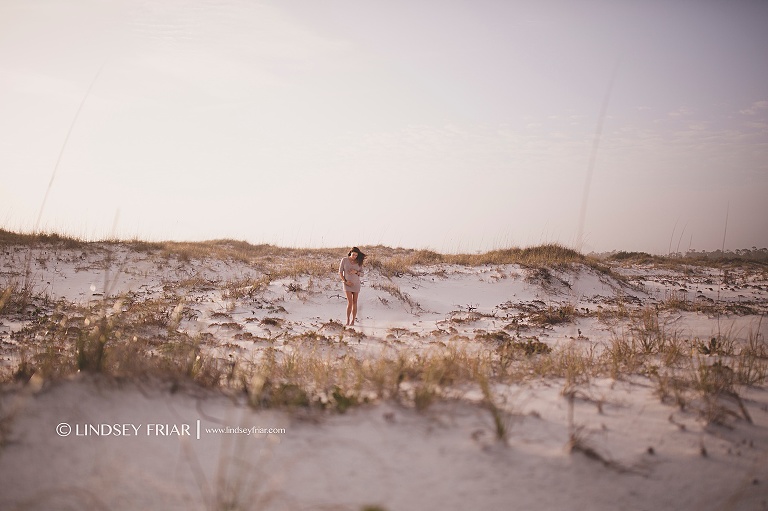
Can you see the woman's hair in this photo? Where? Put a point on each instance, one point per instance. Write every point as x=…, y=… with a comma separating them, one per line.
x=360, y=255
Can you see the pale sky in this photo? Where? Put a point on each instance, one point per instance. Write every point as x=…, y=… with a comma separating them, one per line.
x=458, y=126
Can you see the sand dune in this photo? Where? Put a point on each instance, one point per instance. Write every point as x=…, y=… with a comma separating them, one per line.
x=579, y=436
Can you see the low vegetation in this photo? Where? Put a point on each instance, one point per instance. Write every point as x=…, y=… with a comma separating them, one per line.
x=128, y=337
x=391, y=262
x=122, y=338
x=717, y=258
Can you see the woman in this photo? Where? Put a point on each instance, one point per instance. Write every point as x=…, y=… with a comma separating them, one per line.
x=350, y=271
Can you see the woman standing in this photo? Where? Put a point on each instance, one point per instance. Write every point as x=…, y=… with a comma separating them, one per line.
x=350, y=271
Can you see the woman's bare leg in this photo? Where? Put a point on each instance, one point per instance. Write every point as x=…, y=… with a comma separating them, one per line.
x=351, y=305
x=354, y=307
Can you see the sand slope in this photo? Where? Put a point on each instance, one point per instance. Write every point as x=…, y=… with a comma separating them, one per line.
x=635, y=451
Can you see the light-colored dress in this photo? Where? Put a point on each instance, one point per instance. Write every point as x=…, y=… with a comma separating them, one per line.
x=352, y=272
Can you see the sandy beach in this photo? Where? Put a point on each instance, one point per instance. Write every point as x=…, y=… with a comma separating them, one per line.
x=483, y=386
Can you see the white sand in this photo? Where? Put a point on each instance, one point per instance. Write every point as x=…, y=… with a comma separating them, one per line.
x=649, y=455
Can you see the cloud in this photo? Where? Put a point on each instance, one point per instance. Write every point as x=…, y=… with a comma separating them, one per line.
x=758, y=125
x=754, y=108
x=698, y=126
x=680, y=112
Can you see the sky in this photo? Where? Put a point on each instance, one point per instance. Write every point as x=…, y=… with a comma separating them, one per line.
x=457, y=126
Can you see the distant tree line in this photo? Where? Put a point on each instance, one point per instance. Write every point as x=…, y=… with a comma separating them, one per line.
x=754, y=254
x=759, y=255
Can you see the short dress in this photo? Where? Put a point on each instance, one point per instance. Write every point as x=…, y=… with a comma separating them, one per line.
x=352, y=273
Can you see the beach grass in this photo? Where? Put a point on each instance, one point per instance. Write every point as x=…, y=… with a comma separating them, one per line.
x=125, y=337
